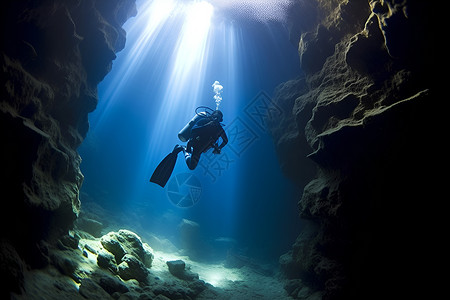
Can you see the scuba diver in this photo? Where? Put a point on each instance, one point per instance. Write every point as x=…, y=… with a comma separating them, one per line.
x=201, y=133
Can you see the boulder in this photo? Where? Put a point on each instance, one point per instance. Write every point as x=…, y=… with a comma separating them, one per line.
x=178, y=269
x=127, y=242
x=111, y=243
x=132, y=268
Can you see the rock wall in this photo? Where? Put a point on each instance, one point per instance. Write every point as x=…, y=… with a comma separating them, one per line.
x=364, y=115
x=52, y=54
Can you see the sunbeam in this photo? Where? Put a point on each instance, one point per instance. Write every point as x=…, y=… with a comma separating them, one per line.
x=175, y=51
x=144, y=31
x=187, y=69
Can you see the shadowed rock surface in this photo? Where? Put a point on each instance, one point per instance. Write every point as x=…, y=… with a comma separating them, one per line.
x=358, y=134
x=52, y=54
x=363, y=115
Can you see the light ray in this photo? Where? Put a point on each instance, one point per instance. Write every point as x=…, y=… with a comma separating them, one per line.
x=187, y=70
x=175, y=51
x=144, y=32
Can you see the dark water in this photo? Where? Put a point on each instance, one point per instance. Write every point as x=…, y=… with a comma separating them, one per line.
x=165, y=71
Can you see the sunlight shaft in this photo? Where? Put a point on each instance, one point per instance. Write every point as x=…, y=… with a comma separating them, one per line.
x=187, y=67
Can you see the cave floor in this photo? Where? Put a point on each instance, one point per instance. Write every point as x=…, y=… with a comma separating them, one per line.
x=68, y=267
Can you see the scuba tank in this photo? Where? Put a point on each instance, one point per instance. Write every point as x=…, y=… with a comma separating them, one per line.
x=185, y=133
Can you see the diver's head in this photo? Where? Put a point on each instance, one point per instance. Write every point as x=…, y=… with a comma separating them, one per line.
x=217, y=115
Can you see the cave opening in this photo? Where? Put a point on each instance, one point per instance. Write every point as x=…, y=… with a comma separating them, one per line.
x=335, y=95
x=242, y=206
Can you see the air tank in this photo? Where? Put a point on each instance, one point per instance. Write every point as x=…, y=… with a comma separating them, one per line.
x=185, y=133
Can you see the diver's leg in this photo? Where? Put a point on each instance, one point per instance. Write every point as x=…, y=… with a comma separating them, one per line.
x=192, y=159
x=189, y=146
x=177, y=149
x=188, y=153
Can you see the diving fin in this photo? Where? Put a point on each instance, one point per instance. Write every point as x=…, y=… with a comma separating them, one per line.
x=164, y=169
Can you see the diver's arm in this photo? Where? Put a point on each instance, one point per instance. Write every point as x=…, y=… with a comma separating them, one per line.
x=224, y=137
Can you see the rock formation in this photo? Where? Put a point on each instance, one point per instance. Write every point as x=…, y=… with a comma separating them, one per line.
x=363, y=114
x=178, y=269
x=356, y=134
x=52, y=54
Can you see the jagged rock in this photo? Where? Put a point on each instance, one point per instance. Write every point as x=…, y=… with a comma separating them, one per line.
x=366, y=102
x=314, y=48
x=47, y=88
x=292, y=149
x=127, y=242
x=365, y=52
x=52, y=55
x=132, y=268
x=302, y=16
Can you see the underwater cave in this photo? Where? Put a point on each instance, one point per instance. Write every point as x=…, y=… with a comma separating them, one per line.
x=315, y=181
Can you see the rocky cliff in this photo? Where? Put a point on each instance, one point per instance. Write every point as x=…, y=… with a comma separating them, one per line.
x=361, y=119
x=52, y=54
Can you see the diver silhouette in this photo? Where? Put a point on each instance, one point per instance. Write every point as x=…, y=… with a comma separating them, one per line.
x=204, y=135
x=201, y=133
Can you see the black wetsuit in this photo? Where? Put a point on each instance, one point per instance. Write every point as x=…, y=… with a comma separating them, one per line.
x=204, y=135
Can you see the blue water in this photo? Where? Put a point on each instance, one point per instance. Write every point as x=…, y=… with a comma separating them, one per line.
x=172, y=57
